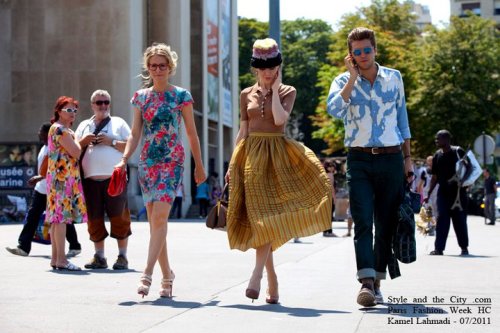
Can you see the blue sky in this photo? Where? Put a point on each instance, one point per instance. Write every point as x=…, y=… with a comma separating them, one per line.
x=328, y=10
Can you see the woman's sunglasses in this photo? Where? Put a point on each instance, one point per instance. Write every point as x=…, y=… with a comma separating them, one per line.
x=366, y=50
x=70, y=110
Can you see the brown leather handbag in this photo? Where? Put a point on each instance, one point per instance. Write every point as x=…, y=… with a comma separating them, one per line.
x=216, y=218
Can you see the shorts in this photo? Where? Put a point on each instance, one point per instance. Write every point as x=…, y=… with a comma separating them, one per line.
x=116, y=208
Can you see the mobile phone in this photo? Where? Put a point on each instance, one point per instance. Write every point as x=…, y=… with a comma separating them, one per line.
x=353, y=61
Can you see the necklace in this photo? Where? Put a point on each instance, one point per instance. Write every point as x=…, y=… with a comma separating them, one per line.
x=264, y=102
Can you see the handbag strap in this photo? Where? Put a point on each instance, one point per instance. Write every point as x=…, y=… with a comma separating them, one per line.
x=99, y=128
x=223, y=192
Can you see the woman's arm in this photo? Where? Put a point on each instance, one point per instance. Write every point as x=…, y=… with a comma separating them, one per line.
x=194, y=143
x=280, y=115
x=242, y=132
x=133, y=139
x=70, y=144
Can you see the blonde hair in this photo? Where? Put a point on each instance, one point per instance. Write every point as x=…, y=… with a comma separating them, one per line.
x=159, y=49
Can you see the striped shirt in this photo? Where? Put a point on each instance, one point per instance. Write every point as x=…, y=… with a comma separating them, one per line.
x=374, y=116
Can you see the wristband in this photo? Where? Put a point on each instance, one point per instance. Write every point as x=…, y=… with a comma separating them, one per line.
x=407, y=156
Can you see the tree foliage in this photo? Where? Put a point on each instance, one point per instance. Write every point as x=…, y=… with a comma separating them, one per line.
x=450, y=75
x=396, y=34
x=458, y=87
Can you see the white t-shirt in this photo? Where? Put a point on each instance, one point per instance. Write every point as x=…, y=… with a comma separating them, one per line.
x=99, y=160
x=41, y=186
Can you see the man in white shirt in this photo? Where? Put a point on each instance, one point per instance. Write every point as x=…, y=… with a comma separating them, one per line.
x=103, y=139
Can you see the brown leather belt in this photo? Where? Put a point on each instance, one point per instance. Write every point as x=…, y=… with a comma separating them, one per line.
x=378, y=150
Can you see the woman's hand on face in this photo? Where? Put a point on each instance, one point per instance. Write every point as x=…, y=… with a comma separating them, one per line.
x=199, y=175
x=277, y=81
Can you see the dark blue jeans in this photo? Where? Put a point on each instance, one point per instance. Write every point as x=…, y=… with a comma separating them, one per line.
x=445, y=200
x=375, y=193
x=38, y=205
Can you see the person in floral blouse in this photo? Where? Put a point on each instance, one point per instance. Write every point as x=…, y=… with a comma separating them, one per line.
x=159, y=110
x=65, y=200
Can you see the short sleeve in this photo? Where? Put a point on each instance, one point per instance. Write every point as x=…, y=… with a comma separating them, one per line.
x=187, y=98
x=243, y=106
x=135, y=101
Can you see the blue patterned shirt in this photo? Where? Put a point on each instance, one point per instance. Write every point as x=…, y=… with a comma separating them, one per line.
x=374, y=116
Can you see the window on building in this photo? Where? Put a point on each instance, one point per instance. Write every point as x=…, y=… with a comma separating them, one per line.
x=474, y=7
x=497, y=7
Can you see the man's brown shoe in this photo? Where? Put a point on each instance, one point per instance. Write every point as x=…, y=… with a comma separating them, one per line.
x=121, y=263
x=97, y=263
x=366, y=295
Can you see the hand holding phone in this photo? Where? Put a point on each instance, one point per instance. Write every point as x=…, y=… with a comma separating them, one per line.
x=351, y=64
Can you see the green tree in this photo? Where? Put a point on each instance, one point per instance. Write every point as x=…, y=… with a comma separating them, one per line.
x=305, y=46
x=457, y=71
x=396, y=32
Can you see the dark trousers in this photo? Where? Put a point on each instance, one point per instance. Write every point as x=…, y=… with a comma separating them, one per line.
x=375, y=192
x=203, y=207
x=445, y=200
x=177, y=207
x=489, y=207
x=38, y=205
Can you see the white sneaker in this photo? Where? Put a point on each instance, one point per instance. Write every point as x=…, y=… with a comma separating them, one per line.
x=73, y=253
x=17, y=251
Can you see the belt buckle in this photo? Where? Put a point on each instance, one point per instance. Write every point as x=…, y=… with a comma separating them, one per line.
x=375, y=151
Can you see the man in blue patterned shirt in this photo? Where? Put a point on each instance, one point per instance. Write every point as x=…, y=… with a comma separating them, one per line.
x=370, y=100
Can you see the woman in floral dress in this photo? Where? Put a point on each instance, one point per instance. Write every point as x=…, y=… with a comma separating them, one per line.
x=65, y=201
x=158, y=112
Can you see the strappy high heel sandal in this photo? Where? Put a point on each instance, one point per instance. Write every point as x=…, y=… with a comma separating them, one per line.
x=167, y=286
x=143, y=288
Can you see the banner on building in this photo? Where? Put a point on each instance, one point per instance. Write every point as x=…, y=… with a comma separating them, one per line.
x=17, y=165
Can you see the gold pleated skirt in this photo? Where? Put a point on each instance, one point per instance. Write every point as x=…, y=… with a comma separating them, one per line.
x=278, y=190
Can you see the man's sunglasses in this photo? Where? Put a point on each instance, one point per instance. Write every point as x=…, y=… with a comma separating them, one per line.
x=366, y=50
x=101, y=103
x=70, y=110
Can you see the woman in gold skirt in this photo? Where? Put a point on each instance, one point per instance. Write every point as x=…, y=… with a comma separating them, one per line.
x=278, y=189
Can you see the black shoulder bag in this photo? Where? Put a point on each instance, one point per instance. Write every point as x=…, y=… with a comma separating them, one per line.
x=99, y=128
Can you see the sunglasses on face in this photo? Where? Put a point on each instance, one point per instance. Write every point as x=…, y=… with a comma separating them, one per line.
x=154, y=67
x=70, y=110
x=366, y=50
x=101, y=103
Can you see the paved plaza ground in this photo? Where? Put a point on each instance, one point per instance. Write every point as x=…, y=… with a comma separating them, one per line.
x=316, y=279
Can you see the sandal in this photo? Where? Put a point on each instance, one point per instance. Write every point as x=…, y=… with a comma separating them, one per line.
x=69, y=267
x=167, y=286
x=145, y=283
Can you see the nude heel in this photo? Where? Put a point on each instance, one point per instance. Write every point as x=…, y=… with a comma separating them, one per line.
x=167, y=286
x=143, y=288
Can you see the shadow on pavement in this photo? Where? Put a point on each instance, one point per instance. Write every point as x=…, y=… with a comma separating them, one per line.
x=278, y=308
x=169, y=302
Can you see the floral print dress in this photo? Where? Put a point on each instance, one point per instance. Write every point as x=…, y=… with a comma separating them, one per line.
x=65, y=200
x=162, y=156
